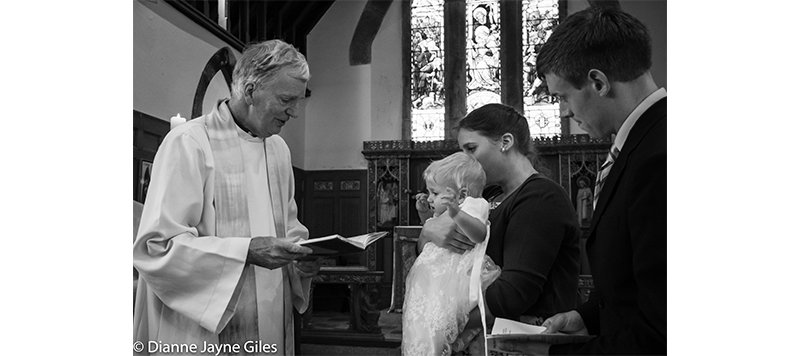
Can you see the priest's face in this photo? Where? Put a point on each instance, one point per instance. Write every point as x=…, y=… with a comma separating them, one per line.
x=273, y=103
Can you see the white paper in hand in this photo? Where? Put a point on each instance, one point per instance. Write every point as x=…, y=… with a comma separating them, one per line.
x=506, y=326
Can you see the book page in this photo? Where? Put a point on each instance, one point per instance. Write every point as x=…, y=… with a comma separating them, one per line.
x=317, y=239
x=366, y=239
x=506, y=326
x=360, y=240
x=505, y=329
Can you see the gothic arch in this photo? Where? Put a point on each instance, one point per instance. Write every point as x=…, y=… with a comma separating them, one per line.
x=366, y=30
x=224, y=60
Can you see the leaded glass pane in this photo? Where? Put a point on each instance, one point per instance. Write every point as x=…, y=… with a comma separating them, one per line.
x=543, y=120
x=539, y=17
x=482, y=62
x=483, y=52
x=427, y=91
x=428, y=125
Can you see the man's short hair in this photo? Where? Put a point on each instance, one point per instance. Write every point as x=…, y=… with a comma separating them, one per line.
x=458, y=170
x=602, y=38
x=261, y=61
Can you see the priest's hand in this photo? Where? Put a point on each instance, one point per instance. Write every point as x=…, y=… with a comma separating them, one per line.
x=308, y=268
x=442, y=232
x=272, y=252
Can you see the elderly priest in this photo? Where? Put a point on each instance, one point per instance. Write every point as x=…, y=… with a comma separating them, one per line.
x=215, y=249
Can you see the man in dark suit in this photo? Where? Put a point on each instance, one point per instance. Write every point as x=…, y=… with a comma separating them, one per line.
x=597, y=63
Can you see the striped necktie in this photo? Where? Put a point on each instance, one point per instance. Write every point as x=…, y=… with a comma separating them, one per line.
x=604, y=169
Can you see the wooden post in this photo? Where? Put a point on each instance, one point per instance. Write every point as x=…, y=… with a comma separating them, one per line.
x=405, y=8
x=455, y=68
x=511, y=58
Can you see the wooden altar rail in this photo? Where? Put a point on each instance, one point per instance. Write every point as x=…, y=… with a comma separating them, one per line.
x=363, y=312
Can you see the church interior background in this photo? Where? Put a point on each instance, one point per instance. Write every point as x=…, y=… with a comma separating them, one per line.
x=389, y=81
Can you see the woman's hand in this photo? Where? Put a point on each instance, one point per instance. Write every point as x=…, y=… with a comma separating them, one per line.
x=442, y=232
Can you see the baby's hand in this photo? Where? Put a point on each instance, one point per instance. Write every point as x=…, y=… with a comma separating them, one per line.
x=450, y=200
x=422, y=203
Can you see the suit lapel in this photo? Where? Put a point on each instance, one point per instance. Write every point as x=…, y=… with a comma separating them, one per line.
x=642, y=126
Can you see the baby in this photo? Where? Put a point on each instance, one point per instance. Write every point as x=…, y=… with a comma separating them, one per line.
x=442, y=286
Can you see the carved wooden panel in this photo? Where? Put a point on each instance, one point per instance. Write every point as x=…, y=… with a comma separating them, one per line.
x=321, y=222
x=405, y=249
x=323, y=185
x=335, y=204
x=148, y=132
x=350, y=185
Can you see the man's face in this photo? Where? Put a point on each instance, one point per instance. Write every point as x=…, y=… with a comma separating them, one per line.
x=581, y=105
x=274, y=103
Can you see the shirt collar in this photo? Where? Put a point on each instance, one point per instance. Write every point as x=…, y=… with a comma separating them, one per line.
x=625, y=129
x=225, y=110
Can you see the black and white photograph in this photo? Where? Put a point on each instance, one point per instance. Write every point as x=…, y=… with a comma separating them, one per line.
x=508, y=159
x=496, y=143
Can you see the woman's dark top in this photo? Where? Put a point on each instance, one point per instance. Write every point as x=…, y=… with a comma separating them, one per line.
x=535, y=240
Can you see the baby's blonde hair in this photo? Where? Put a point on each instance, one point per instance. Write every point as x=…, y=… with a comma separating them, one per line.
x=458, y=170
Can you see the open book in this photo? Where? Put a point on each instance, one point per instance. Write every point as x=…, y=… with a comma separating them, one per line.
x=335, y=245
x=505, y=329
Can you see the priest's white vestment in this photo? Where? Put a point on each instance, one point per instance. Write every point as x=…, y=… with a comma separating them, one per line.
x=194, y=282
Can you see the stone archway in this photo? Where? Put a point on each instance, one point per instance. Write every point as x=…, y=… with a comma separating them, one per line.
x=366, y=30
x=223, y=60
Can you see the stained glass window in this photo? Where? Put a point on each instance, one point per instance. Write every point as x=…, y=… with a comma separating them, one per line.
x=483, y=29
x=427, y=91
x=483, y=53
x=539, y=17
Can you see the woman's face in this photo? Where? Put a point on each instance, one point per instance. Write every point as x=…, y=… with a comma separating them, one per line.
x=485, y=150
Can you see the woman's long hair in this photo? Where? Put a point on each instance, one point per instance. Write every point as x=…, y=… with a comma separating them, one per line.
x=495, y=120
